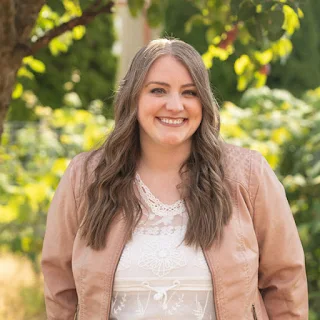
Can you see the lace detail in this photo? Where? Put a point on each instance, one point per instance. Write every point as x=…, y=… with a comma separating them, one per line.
x=118, y=304
x=157, y=207
x=158, y=276
x=200, y=310
x=161, y=257
x=166, y=230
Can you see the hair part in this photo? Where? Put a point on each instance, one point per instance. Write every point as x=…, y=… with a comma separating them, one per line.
x=203, y=185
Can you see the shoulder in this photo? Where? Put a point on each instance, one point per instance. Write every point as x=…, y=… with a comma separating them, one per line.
x=85, y=161
x=81, y=169
x=241, y=164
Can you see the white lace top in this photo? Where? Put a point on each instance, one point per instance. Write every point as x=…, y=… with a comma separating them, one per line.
x=158, y=277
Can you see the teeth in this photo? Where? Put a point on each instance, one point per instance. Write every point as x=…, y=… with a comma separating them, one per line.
x=171, y=121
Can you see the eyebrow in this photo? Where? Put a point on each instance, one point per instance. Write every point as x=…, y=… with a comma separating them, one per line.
x=168, y=85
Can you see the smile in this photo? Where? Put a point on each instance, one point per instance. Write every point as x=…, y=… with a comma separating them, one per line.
x=172, y=121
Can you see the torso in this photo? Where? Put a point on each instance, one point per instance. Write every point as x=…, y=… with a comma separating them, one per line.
x=158, y=276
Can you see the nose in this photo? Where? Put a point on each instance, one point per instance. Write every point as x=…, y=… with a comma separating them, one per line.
x=174, y=103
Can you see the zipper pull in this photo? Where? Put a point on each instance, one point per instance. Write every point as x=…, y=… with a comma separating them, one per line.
x=254, y=312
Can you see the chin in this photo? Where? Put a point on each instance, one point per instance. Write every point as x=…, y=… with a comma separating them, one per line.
x=172, y=141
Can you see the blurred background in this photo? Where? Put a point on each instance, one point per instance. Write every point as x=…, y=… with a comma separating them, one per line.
x=61, y=62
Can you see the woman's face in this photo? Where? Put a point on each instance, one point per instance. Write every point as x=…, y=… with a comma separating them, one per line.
x=169, y=109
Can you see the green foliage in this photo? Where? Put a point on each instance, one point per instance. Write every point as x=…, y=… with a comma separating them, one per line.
x=254, y=32
x=250, y=29
x=155, y=10
x=83, y=54
x=91, y=64
x=302, y=70
x=135, y=6
x=222, y=76
x=286, y=131
x=33, y=158
x=297, y=72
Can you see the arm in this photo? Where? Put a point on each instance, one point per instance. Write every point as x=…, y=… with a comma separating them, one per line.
x=282, y=275
x=62, y=225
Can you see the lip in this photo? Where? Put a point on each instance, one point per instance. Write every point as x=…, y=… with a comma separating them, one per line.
x=172, y=124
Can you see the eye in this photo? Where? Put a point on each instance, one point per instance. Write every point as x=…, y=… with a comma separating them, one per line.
x=190, y=93
x=158, y=91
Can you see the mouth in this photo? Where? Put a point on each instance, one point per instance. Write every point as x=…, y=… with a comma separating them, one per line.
x=175, y=122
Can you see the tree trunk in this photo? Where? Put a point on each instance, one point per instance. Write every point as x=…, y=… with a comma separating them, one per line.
x=17, y=18
x=7, y=81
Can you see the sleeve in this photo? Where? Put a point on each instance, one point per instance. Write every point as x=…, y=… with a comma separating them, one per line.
x=282, y=274
x=62, y=225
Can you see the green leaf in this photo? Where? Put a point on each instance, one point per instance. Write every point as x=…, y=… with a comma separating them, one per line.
x=155, y=14
x=234, y=6
x=194, y=20
x=56, y=46
x=83, y=4
x=276, y=19
x=211, y=33
x=56, y=6
x=26, y=243
x=266, y=6
x=241, y=64
x=72, y=7
x=255, y=29
x=78, y=32
x=247, y=11
x=275, y=36
x=291, y=20
x=135, y=6
x=8, y=213
x=37, y=66
x=17, y=92
x=24, y=72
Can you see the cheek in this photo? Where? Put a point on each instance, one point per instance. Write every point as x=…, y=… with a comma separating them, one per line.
x=198, y=112
x=146, y=107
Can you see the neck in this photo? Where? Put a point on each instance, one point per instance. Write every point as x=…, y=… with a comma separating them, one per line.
x=163, y=159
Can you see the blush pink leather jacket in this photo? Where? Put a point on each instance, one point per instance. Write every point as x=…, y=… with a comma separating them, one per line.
x=258, y=270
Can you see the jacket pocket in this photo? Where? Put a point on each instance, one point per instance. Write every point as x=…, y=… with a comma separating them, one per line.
x=254, y=312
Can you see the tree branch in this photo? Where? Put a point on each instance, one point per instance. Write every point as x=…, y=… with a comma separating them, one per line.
x=87, y=16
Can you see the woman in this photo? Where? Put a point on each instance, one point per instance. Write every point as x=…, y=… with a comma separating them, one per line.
x=165, y=221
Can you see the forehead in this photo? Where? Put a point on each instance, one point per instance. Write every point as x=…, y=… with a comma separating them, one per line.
x=168, y=67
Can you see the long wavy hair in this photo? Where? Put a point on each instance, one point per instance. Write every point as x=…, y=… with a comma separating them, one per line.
x=203, y=185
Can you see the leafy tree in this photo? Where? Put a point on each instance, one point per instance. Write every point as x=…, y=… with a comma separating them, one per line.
x=238, y=43
x=222, y=75
x=87, y=69
x=19, y=39
x=33, y=159
x=286, y=130
x=302, y=70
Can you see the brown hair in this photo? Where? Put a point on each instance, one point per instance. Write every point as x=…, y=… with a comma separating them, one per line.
x=204, y=191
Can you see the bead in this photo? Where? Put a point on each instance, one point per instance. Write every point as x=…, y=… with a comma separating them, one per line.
x=158, y=296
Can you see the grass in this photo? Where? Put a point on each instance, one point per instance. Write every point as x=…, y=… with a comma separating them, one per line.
x=21, y=290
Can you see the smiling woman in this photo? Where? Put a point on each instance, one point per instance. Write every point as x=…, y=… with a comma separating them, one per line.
x=167, y=221
x=169, y=110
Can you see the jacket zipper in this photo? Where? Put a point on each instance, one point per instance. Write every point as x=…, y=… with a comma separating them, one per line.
x=254, y=312
x=76, y=314
x=215, y=298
